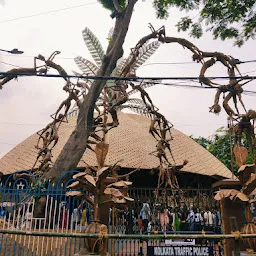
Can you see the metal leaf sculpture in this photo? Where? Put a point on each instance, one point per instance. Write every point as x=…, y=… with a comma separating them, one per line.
x=121, y=184
x=253, y=193
x=244, y=173
x=120, y=65
x=250, y=184
x=224, y=193
x=93, y=45
x=110, y=32
x=251, y=180
x=87, y=67
x=241, y=154
x=75, y=193
x=141, y=110
x=103, y=172
x=97, y=52
x=145, y=85
x=75, y=185
x=113, y=192
x=82, y=74
x=79, y=175
x=101, y=151
x=242, y=196
x=128, y=199
x=90, y=179
x=145, y=52
x=136, y=101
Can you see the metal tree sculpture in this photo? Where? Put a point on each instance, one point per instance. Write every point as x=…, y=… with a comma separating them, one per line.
x=100, y=187
x=116, y=95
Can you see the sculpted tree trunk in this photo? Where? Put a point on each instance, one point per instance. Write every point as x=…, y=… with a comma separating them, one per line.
x=76, y=144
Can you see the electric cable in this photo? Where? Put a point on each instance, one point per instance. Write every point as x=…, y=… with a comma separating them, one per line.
x=6, y=74
x=16, y=66
x=47, y=12
x=5, y=143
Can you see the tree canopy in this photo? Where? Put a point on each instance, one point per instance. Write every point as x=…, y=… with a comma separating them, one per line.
x=226, y=19
x=218, y=144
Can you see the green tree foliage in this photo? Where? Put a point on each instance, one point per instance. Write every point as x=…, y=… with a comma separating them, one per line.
x=224, y=18
x=219, y=145
x=108, y=4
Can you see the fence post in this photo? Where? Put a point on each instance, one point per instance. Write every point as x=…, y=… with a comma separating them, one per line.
x=237, y=248
x=234, y=229
x=141, y=247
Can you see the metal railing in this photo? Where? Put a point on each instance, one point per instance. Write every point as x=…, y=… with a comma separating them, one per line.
x=18, y=242
x=27, y=211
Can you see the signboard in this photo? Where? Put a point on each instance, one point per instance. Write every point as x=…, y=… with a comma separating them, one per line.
x=180, y=242
x=180, y=250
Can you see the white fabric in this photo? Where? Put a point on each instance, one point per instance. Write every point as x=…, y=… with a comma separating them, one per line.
x=208, y=218
x=198, y=217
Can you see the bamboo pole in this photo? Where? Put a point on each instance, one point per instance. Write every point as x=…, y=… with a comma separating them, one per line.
x=131, y=236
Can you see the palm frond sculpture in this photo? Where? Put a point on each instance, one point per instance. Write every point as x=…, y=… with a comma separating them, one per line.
x=90, y=69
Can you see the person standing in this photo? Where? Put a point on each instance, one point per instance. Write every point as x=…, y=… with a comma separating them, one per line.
x=145, y=214
x=76, y=218
x=29, y=217
x=191, y=220
x=177, y=220
x=198, y=220
x=208, y=220
x=183, y=218
x=164, y=219
x=216, y=221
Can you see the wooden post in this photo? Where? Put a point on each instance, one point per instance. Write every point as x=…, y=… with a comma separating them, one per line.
x=234, y=228
x=113, y=232
x=237, y=248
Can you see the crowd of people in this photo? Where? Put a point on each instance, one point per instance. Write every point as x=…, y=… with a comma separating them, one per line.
x=147, y=218
x=164, y=218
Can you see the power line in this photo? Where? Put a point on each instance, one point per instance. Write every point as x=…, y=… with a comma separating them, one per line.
x=190, y=86
x=169, y=63
x=16, y=66
x=14, y=74
x=5, y=143
x=249, y=72
x=48, y=12
x=26, y=124
x=187, y=62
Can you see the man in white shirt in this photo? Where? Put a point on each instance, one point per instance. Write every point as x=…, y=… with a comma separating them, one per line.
x=208, y=220
x=198, y=220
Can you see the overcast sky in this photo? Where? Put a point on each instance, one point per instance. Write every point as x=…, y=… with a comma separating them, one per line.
x=26, y=104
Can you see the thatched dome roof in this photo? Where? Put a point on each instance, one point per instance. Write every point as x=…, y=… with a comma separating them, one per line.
x=131, y=142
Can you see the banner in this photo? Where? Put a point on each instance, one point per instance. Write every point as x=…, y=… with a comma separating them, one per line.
x=180, y=251
x=180, y=242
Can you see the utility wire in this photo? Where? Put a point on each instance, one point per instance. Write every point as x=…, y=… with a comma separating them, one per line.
x=48, y=12
x=19, y=124
x=14, y=74
x=169, y=63
x=16, y=66
x=189, y=86
x=5, y=143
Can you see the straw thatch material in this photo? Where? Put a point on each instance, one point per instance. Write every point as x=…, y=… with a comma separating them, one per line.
x=131, y=142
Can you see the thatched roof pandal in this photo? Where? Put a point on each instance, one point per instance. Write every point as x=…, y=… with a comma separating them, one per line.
x=131, y=142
